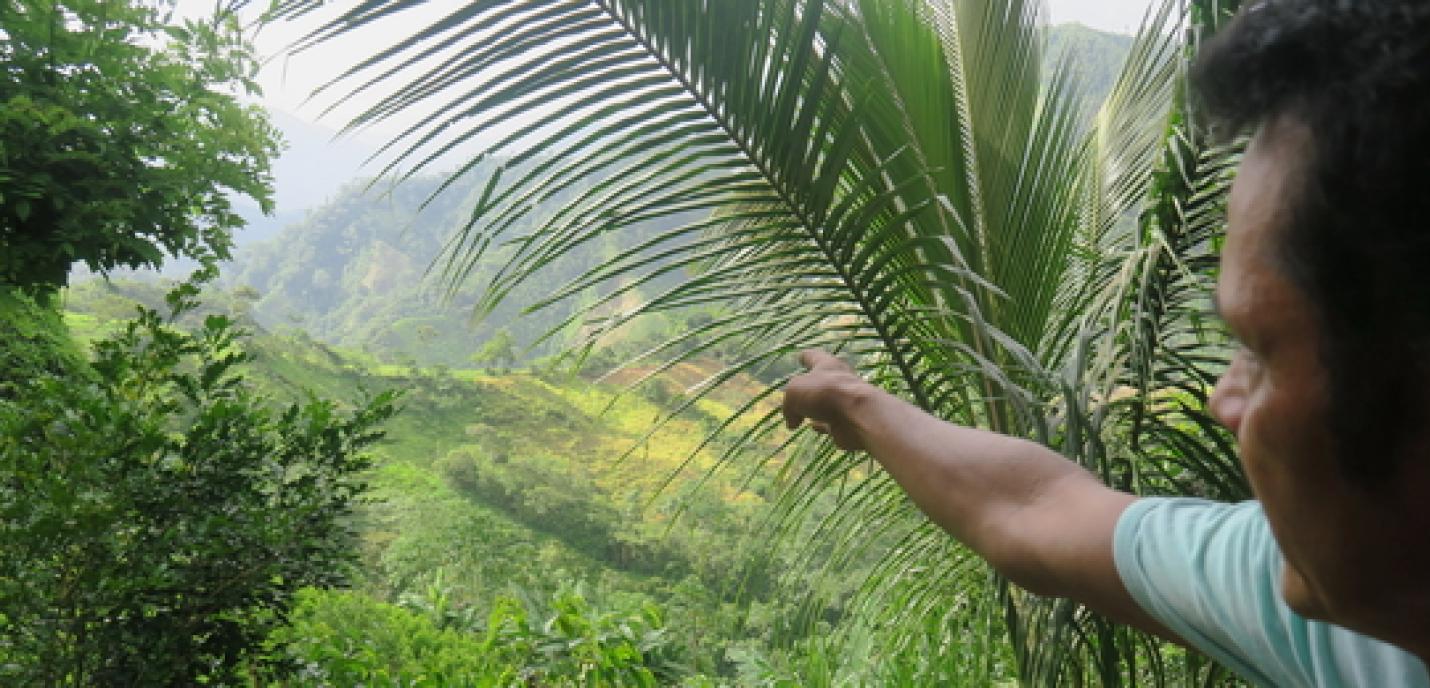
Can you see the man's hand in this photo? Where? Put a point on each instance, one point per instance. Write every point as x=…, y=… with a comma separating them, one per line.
x=1038, y=518
x=829, y=396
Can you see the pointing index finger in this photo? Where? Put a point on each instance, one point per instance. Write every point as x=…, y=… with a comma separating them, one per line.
x=815, y=359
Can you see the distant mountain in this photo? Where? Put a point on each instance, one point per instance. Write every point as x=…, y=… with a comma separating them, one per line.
x=1094, y=60
x=352, y=272
x=355, y=273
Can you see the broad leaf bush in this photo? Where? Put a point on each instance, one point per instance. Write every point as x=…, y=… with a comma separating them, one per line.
x=121, y=138
x=346, y=638
x=157, y=515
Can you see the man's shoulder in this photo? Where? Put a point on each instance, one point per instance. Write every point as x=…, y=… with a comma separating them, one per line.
x=1210, y=572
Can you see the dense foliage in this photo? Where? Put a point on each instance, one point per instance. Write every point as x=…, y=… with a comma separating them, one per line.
x=159, y=514
x=346, y=639
x=120, y=138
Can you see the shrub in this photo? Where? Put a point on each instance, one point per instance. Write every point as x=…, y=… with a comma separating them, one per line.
x=345, y=638
x=157, y=514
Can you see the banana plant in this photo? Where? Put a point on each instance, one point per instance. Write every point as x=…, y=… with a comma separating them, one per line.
x=894, y=180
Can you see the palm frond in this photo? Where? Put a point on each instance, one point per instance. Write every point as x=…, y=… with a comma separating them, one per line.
x=891, y=179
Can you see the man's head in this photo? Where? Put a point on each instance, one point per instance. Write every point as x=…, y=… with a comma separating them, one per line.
x=1356, y=75
x=1326, y=282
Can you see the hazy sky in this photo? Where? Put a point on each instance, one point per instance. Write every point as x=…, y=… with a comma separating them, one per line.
x=1120, y=16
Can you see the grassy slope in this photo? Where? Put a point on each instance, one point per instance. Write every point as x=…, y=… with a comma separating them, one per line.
x=494, y=482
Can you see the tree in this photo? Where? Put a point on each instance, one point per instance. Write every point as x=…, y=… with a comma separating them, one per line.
x=894, y=179
x=499, y=351
x=160, y=515
x=120, y=139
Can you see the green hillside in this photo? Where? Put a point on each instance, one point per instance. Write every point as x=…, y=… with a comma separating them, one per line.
x=360, y=272
x=493, y=487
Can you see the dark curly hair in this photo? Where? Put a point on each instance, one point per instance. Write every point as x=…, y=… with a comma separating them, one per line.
x=1356, y=74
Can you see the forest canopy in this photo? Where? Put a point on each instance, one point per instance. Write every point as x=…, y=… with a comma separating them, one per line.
x=121, y=139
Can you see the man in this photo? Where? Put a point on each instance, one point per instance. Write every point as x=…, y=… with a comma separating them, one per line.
x=1325, y=580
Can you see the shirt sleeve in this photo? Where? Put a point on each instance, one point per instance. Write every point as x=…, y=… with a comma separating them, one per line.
x=1211, y=573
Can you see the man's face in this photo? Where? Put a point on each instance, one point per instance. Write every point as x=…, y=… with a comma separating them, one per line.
x=1338, y=541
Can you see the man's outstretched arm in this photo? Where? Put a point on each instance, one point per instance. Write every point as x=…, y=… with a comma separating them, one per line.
x=1039, y=519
